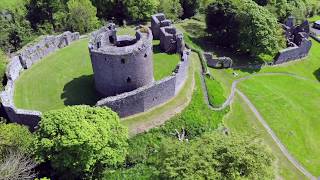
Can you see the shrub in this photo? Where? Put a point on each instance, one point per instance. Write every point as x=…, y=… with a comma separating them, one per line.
x=14, y=137
x=141, y=10
x=81, y=140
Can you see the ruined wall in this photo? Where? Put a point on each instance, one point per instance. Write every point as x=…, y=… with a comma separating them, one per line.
x=123, y=66
x=293, y=53
x=157, y=21
x=24, y=59
x=147, y=97
x=171, y=40
x=218, y=62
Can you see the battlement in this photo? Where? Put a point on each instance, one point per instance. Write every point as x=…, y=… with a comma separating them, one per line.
x=121, y=63
x=157, y=21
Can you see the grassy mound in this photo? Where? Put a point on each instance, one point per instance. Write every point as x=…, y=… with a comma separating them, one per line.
x=291, y=108
x=66, y=78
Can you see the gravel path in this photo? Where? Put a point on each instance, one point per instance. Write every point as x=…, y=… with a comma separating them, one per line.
x=258, y=115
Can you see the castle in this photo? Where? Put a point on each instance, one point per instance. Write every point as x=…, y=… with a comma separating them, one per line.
x=123, y=66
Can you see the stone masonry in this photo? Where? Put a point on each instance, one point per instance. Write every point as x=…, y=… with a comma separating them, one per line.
x=24, y=59
x=298, y=41
x=121, y=63
x=157, y=21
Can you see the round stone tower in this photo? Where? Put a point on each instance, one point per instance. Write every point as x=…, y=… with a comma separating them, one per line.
x=121, y=63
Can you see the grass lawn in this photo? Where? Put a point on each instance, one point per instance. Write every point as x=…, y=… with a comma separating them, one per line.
x=65, y=78
x=291, y=108
x=242, y=121
x=10, y=3
x=314, y=18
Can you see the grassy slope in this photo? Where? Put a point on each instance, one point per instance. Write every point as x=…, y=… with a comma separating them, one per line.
x=240, y=118
x=65, y=78
x=291, y=108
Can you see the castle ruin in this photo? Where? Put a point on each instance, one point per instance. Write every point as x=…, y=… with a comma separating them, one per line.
x=121, y=63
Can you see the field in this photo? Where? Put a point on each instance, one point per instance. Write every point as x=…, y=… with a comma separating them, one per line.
x=240, y=118
x=65, y=78
x=291, y=108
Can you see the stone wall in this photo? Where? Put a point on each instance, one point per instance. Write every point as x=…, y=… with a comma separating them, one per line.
x=217, y=62
x=171, y=40
x=157, y=21
x=293, y=53
x=298, y=42
x=122, y=65
x=24, y=59
x=147, y=97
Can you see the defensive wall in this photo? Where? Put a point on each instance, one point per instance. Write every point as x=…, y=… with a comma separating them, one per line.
x=147, y=97
x=22, y=60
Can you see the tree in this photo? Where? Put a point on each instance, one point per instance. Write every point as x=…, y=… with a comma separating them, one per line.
x=14, y=137
x=81, y=140
x=82, y=16
x=245, y=26
x=215, y=156
x=142, y=9
x=190, y=7
x=222, y=22
x=42, y=11
x=111, y=10
x=171, y=8
x=260, y=34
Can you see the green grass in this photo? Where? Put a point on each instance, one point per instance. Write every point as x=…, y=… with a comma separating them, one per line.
x=241, y=120
x=314, y=18
x=215, y=92
x=65, y=78
x=8, y=4
x=291, y=108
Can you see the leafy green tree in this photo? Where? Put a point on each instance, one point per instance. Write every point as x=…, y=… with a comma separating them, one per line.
x=142, y=9
x=172, y=9
x=15, y=30
x=82, y=16
x=14, y=137
x=222, y=22
x=215, y=156
x=190, y=7
x=111, y=9
x=260, y=33
x=42, y=11
x=245, y=26
x=81, y=140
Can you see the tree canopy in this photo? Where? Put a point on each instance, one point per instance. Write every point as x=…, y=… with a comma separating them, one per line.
x=215, y=156
x=81, y=140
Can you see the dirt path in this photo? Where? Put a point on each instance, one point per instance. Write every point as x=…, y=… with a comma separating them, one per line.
x=234, y=90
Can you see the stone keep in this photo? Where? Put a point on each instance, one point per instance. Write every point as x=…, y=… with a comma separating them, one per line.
x=121, y=63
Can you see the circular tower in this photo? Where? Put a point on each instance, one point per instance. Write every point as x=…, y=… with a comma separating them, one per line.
x=121, y=63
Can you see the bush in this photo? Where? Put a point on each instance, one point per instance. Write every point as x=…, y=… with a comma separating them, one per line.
x=15, y=138
x=81, y=140
x=171, y=8
x=215, y=156
x=3, y=65
x=190, y=7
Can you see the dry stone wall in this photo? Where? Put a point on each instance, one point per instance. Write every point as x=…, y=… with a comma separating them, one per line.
x=24, y=59
x=147, y=97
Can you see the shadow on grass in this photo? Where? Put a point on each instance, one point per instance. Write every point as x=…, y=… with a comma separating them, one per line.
x=317, y=74
x=80, y=91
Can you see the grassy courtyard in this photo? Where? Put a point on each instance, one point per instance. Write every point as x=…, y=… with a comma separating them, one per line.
x=65, y=78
